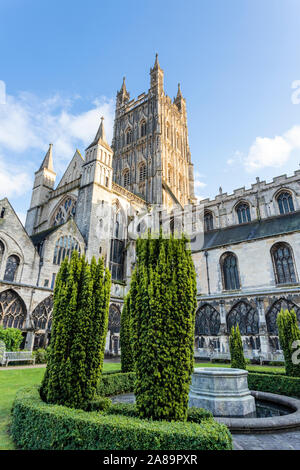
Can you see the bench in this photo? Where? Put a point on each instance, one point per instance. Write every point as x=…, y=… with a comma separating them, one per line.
x=17, y=356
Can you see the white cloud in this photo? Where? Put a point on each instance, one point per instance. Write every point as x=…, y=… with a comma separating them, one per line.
x=272, y=152
x=22, y=217
x=14, y=182
x=199, y=184
x=28, y=122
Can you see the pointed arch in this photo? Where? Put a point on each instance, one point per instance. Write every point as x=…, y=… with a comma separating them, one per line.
x=271, y=315
x=230, y=271
x=12, y=310
x=11, y=269
x=114, y=326
x=242, y=209
x=283, y=262
x=285, y=201
x=208, y=321
x=41, y=316
x=244, y=315
x=143, y=127
x=117, y=243
x=129, y=135
x=208, y=221
x=65, y=208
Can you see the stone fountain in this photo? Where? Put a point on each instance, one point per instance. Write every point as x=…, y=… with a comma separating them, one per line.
x=222, y=391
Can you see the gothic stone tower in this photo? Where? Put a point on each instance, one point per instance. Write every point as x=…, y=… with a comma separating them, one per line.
x=151, y=151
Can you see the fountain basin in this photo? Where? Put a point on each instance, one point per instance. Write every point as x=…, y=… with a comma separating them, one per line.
x=222, y=391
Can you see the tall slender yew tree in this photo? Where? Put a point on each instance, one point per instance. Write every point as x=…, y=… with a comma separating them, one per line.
x=289, y=337
x=162, y=318
x=79, y=327
x=127, y=362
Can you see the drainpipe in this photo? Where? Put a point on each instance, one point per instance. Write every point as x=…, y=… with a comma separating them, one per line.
x=207, y=271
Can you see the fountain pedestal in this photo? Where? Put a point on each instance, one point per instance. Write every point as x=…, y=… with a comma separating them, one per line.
x=222, y=391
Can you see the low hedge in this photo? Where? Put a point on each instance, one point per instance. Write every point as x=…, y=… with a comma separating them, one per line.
x=274, y=383
x=40, y=426
x=116, y=383
x=195, y=415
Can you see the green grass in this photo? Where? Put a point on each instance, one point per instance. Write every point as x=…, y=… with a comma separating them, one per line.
x=12, y=380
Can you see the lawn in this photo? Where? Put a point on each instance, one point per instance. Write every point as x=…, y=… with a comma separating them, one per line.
x=12, y=380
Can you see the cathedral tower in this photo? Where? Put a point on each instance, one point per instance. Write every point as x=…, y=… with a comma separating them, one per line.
x=151, y=151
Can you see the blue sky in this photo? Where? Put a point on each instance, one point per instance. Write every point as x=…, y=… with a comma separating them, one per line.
x=63, y=61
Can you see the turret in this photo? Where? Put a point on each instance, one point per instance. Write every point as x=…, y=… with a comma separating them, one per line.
x=44, y=181
x=122, y=95
x=157, y=78
x=98, y=160
x=180, y=101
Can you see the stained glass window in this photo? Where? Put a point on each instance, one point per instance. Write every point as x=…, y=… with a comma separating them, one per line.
x=2, y=249
x=283, y=263
x=12, y=265
x=285, y=203
x=64, y=211
x=230, y=272
x=207, y=321
x=42, y=314
x=244, y=315
x=117, y=247
x=64, y=247
x=243, y=212
x=12, y=310
x=114, y=319
x=126, y=176
x=275, y=308
x=143, y=172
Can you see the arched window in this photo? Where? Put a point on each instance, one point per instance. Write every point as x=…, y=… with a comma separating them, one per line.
x=129, y=136
x=229, y=267
x=12, y=310
x=245, y=316
x=243, y=212
x=42, y=315
x=283, y=264
x=64, y=247
x=114, y=325
x=2, y=249
x=207, y=321
x=12, y=265
x=143, y=129
x=208, y=221
x=126, y=178
x=285, y=202
x=64, y=211
x=143, y=172
x=271, y=315
x=117, y=247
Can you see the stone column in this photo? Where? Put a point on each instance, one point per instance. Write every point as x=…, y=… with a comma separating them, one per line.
x=224, y=344
x=264, y=344
x=29, y=342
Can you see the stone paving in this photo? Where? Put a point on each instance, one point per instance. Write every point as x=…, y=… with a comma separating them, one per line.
x=270, y=441
x=278, y=441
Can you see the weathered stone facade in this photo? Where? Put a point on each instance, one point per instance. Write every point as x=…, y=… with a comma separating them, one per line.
x=248, y=260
